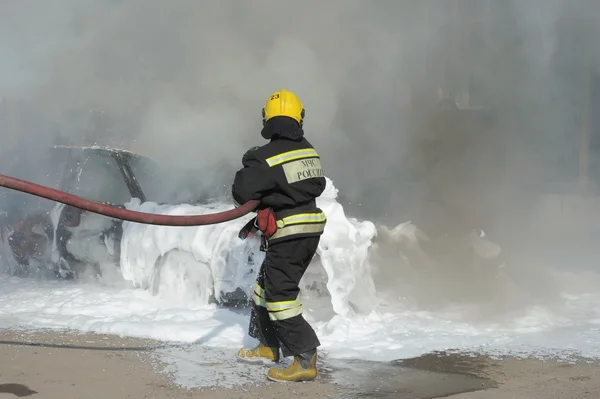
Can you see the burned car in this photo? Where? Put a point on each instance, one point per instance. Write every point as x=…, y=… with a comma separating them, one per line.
x=41, y=237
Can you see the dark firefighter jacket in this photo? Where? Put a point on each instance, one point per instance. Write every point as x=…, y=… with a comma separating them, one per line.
x=286, y=176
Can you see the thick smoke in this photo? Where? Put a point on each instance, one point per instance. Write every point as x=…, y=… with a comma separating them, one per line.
x=184, y=81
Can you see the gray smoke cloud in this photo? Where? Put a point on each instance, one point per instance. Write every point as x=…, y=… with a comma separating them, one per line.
x=184, y=82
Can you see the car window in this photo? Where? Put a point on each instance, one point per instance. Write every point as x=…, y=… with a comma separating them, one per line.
x=100, y=179
x=151, y=179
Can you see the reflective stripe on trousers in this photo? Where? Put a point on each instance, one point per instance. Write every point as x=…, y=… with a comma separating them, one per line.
x=259, y=296
x=277, y=310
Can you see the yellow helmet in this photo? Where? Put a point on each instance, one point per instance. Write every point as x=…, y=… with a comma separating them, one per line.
x=283, y=103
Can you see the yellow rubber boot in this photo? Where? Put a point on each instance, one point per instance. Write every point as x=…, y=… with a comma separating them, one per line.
x=304, y=368
x=260, y=354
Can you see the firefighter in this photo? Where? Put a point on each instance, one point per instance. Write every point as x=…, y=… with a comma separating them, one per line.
x=286, y=176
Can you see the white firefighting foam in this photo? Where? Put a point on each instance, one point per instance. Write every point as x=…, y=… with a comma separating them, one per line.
x=201, y=261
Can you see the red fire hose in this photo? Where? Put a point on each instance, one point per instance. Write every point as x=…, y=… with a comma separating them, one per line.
x=125, y=214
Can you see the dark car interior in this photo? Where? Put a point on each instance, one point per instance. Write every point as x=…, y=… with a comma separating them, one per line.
x=95, y=173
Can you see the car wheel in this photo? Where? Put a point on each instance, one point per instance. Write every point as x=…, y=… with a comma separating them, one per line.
x=180, y=277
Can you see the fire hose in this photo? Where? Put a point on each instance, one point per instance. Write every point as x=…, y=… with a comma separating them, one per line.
x=125, y=214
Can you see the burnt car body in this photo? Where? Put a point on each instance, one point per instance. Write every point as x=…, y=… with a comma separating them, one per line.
x=43, y=237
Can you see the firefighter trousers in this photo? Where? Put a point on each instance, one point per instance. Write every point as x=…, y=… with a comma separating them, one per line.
x=276, y=319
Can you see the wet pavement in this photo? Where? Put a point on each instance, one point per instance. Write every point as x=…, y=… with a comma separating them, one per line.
x=420, y=378
x=18, y=390
x=199, y=367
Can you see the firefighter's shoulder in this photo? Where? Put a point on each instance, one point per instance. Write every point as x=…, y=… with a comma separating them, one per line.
x=254, y=154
